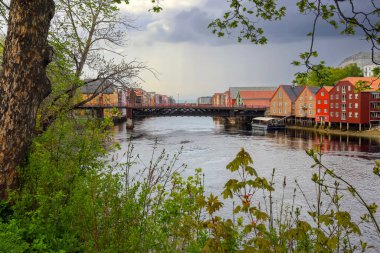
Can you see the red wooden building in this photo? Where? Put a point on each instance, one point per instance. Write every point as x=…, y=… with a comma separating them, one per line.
x=348, y=106
x=322, y=114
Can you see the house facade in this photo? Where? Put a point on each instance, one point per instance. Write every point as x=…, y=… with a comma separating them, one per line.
x=322, y=98
x=350, y=106
x=282, y=103
x=305, y=103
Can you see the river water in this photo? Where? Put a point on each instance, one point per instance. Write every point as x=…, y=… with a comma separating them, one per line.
x=210, y=145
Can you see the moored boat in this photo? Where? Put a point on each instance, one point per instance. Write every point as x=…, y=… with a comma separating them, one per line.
x=267, y=123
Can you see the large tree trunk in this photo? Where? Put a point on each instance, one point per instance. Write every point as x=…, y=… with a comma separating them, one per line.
x=23, y=82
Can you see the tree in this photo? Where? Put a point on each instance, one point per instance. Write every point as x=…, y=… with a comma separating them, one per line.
x=81, y=32
x=327, y=76
x=24, y=84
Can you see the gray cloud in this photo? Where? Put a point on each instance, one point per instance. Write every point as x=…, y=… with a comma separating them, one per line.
x=191, y=26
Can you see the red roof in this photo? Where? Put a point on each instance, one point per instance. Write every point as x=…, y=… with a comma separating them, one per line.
x=245, y=94
x=258, y=102
x=372, y=81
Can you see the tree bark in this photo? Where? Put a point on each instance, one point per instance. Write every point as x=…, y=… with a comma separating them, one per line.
x=23, y=82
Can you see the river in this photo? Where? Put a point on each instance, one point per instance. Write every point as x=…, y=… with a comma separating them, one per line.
x=210, y=145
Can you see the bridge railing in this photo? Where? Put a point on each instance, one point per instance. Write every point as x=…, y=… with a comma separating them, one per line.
x=179, y=105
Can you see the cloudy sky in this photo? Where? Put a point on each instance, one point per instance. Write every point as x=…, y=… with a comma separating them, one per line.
x=193, y=62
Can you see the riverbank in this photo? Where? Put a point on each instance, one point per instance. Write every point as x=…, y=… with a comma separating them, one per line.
x=367, y=133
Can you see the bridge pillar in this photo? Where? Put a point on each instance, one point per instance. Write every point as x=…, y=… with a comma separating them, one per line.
x=99, y=113
x=129, y=115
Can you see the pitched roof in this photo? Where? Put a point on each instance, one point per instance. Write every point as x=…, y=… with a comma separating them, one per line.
x=292, y=91
x=93, y=86
x=249, y=94
x=234, y=90
x=314, y=89
x=328, y=88
x=372, y=81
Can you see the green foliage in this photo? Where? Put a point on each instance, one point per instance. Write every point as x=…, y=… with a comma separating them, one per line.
x=327, y=76
x=74, y=198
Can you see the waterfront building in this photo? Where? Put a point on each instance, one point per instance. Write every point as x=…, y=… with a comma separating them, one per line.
x=323, y=105
x=204, y=101
x=108, y=94
x=233, y=92
x=151, y=98
x=218, y=99
x=282, y=103
x=305, y=105
x=255, y=98
x=352, y=107
x=226, y=97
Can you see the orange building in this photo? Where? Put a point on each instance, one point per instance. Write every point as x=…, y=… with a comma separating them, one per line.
x=282, y=103
x=108, y=94
x=305, y=104
x=218, y=99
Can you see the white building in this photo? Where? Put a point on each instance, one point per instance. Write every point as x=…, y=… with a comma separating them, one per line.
x=361, y=59
x=368, y=70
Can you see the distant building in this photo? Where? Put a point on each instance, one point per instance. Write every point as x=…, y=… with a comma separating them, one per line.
x=361, y=59
x=204, y=101
x=322, y=97
x=368, y=70
x=233, y=92
x=282, y=103
x=218, y=99
x=254, y=98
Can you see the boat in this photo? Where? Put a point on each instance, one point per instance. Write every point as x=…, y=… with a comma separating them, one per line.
x=268, y=123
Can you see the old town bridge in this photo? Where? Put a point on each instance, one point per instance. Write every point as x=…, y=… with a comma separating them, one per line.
x=178, y=110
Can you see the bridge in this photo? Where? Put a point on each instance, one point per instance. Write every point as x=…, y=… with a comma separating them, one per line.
x=178, y=110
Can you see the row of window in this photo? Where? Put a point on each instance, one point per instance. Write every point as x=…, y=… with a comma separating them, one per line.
x=344, y=115
x=305, y=105
x=375, y=115
x=324, y=110
x=344, y=88
x=344, y=96
x=310, y=98
x=301, y=112
x=279, y=110
x=280, y=104
x=344, y=105
x=324, y=101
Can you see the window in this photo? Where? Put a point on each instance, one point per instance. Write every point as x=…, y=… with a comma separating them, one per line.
x=319, y=110
x=336, y=105
x=350, y=95
x=274, y=110
x=356, y=96
x=280, y=94
x=350, y=105
x=343, y=107
x=332, y=97
x=349, y=87
x=310, y=105
x=285, y=110
x=331, y=105
x=274, y=104
x=356, y=105
x=376, y=95
x=344, y=98
x=350, y=113
x=337, y=96
x=356, y=115
x=331, y=114
x=343, y=116
x=279, y=110
x=310, y=112
x=337, y=88
x=325, y=110
x=336, y=114
x=322, y=93
x=319, y=101
x=310, y=98
x=280, y=104
x=325, y=102
x=343, y=89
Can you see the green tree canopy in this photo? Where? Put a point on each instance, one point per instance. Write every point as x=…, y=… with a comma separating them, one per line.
x=327, y=76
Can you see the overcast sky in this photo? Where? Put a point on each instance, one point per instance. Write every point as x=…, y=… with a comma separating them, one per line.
x=193, y=62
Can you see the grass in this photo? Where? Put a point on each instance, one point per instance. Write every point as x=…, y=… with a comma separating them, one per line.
x=375, y=133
